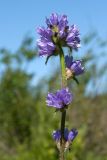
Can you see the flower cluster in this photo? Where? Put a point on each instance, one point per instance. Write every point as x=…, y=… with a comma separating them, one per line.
x=60, y=99
x=57, y=33
x=69, y=136
x=73, y=68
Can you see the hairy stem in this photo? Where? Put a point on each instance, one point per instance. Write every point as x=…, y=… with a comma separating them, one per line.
x=63, y=113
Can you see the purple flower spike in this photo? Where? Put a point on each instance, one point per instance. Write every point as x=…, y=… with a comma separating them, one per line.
x=60, y=99
x=73, y=67
x=72, y=134
x=73, y=39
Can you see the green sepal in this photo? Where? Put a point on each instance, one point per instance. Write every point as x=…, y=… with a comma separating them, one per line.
x=76, y=80
x=47, y=58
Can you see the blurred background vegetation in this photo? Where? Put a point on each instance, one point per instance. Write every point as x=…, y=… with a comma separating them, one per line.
x=26, y=124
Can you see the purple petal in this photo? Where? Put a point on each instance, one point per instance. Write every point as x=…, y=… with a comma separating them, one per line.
x=68, y=61
x=73, y=39
x=72, y=134
x=56, y=135
x=77, y=67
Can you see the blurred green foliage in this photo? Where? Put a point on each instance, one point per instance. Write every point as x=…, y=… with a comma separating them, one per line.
x=26, y=124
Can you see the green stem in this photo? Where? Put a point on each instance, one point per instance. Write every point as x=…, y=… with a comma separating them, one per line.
x=63, y=71
x=63, y=116
x=63, y=113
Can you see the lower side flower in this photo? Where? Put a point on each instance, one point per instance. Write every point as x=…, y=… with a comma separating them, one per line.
x=69, y=136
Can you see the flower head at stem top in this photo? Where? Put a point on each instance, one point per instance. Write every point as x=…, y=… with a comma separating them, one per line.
x=62, y=98
x=57, y=32
x=73, y=68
